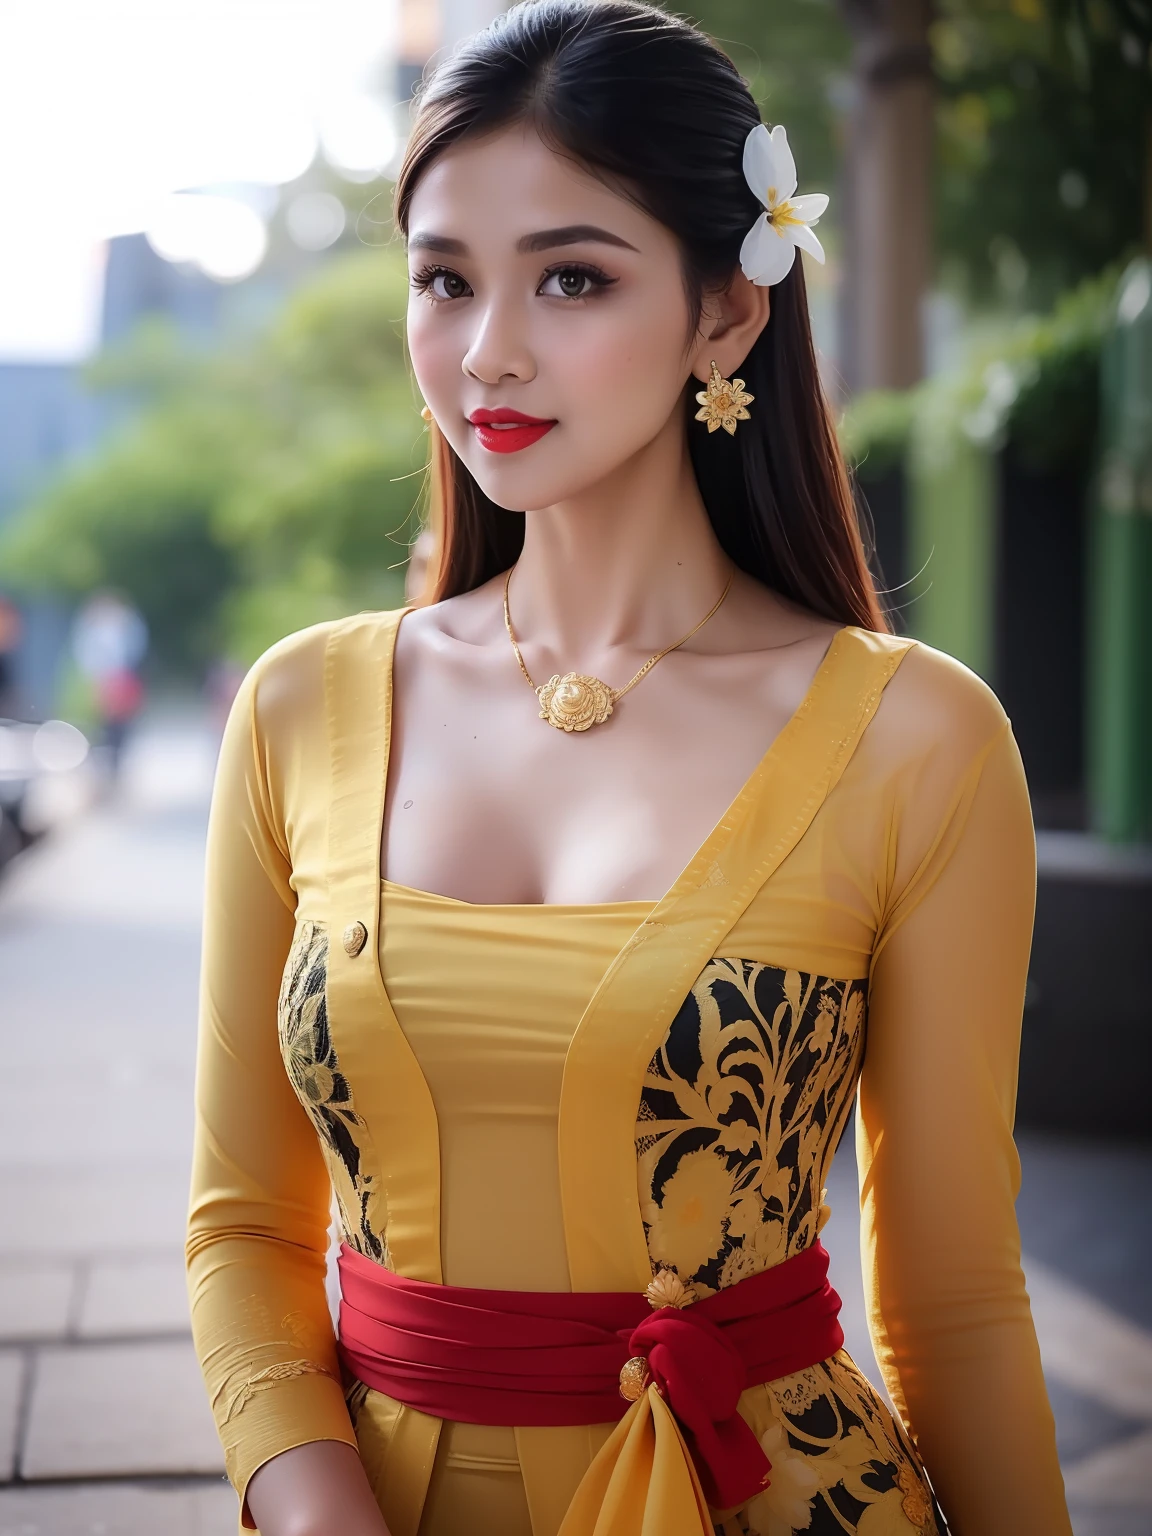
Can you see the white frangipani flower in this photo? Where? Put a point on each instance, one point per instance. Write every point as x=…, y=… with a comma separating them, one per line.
x=769, y=247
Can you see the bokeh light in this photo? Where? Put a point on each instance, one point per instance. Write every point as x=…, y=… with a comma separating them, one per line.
x=223, y=237
x=357, y=136
x=315, y=220
x=107, y=110
x=58, y=747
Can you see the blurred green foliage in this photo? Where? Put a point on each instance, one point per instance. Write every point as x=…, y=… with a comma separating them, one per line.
x=1044, y=125
x=253, y=490
x=874, y=431
x=1044, y=128
x=1034, y=394
x=1053, y=421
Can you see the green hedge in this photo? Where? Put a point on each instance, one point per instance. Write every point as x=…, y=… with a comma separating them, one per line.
x=1034, y=394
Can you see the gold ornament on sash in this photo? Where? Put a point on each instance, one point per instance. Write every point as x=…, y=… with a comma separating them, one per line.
x=668, y=1290
x=634, y=1379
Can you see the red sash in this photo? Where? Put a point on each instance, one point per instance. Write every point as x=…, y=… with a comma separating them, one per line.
x=556, y=1357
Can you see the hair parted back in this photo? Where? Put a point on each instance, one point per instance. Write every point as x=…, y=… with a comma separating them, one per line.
x=648, y=101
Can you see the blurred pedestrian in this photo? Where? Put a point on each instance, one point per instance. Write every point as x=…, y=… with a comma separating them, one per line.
x=109, y=643
x=11, y=631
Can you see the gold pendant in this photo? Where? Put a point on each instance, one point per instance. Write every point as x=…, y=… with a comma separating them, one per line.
x=575, y=702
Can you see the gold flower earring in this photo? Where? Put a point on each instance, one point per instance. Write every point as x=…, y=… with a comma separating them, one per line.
x=723, y=403
x=426, y=414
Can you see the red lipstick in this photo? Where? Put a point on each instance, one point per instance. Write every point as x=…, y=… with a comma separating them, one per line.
x=503, y=430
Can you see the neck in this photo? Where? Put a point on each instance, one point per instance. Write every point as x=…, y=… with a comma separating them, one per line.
x=630, y=564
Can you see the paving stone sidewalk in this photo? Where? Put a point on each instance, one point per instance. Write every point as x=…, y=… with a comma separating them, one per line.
x=104, y=1426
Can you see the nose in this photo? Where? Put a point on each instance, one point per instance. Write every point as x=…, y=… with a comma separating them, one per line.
x=498, y=349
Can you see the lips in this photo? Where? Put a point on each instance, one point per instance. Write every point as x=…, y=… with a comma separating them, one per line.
x=503, y=430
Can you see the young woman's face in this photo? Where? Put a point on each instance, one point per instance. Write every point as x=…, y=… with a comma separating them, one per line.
x=539, y=293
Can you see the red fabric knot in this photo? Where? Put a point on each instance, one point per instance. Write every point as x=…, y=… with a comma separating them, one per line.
x=554, y=1358
x=701, y=1376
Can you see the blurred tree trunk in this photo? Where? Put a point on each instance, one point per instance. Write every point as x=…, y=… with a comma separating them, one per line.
x=887, y=201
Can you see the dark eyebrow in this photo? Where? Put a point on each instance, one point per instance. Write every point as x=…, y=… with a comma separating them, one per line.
x=571, y=234
x=425, y=240
x=542, y=240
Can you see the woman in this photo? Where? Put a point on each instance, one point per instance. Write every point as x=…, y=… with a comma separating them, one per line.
x=571, y=1019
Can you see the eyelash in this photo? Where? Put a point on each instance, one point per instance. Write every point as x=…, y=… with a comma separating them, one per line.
x=423, y=279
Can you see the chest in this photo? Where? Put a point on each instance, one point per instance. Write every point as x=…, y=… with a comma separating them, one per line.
x=488, y=802
x=336, y=872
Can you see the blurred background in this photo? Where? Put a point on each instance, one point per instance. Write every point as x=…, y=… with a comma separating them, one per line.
x=208, y=438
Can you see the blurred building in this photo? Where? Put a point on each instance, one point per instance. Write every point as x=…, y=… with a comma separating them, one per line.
x=47, y=417
x=139, y=284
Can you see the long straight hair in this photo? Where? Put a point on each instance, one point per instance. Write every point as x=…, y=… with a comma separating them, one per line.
x=650, y=104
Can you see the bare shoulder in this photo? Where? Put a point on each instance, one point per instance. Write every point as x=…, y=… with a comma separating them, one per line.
x=754, y=618
x=782, y=643
x=467, y=619
x=934, y=703
x=450, y=643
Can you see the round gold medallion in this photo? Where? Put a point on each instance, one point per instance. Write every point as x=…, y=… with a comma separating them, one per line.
x=575, y=702
x=634, y=1379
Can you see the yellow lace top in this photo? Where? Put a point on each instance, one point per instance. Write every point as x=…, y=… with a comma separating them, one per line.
x=574, y=1097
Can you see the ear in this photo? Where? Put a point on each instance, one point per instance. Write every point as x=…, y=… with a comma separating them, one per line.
x=730, y=322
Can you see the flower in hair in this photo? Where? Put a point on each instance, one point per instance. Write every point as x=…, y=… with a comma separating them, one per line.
x=769, y=247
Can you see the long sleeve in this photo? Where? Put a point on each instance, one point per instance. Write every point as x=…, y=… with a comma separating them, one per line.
x=260, y=1193
x=939, y=1173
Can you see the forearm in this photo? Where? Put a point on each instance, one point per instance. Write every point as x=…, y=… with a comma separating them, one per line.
x=985, y=1430
x=314, y=1490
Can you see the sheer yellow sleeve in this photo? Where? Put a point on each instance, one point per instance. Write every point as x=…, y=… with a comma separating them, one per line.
x=939, y=1173
x=260, y=1193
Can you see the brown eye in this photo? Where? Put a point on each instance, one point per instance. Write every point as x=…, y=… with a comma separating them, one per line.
x=568, y=283
x=448, y=285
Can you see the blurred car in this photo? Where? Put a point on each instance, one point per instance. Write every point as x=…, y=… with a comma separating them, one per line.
x=28, y=755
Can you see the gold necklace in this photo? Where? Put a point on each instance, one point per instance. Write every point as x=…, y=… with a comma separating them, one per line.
x=576, y=702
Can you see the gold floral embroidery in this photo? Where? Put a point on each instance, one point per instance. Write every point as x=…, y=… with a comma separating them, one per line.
x=885, y=1517
x=687, y=1229
x=314, y=1071
x=741, y=1110
x=843, y=1448
x=915, y=1503
x=796, y=1394
x=786, y=1504
x=283, y=1370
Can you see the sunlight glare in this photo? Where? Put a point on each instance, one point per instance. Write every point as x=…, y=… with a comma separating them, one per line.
x=223, y=237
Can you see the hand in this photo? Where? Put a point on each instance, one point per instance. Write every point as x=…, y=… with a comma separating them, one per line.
x=319, y=1489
